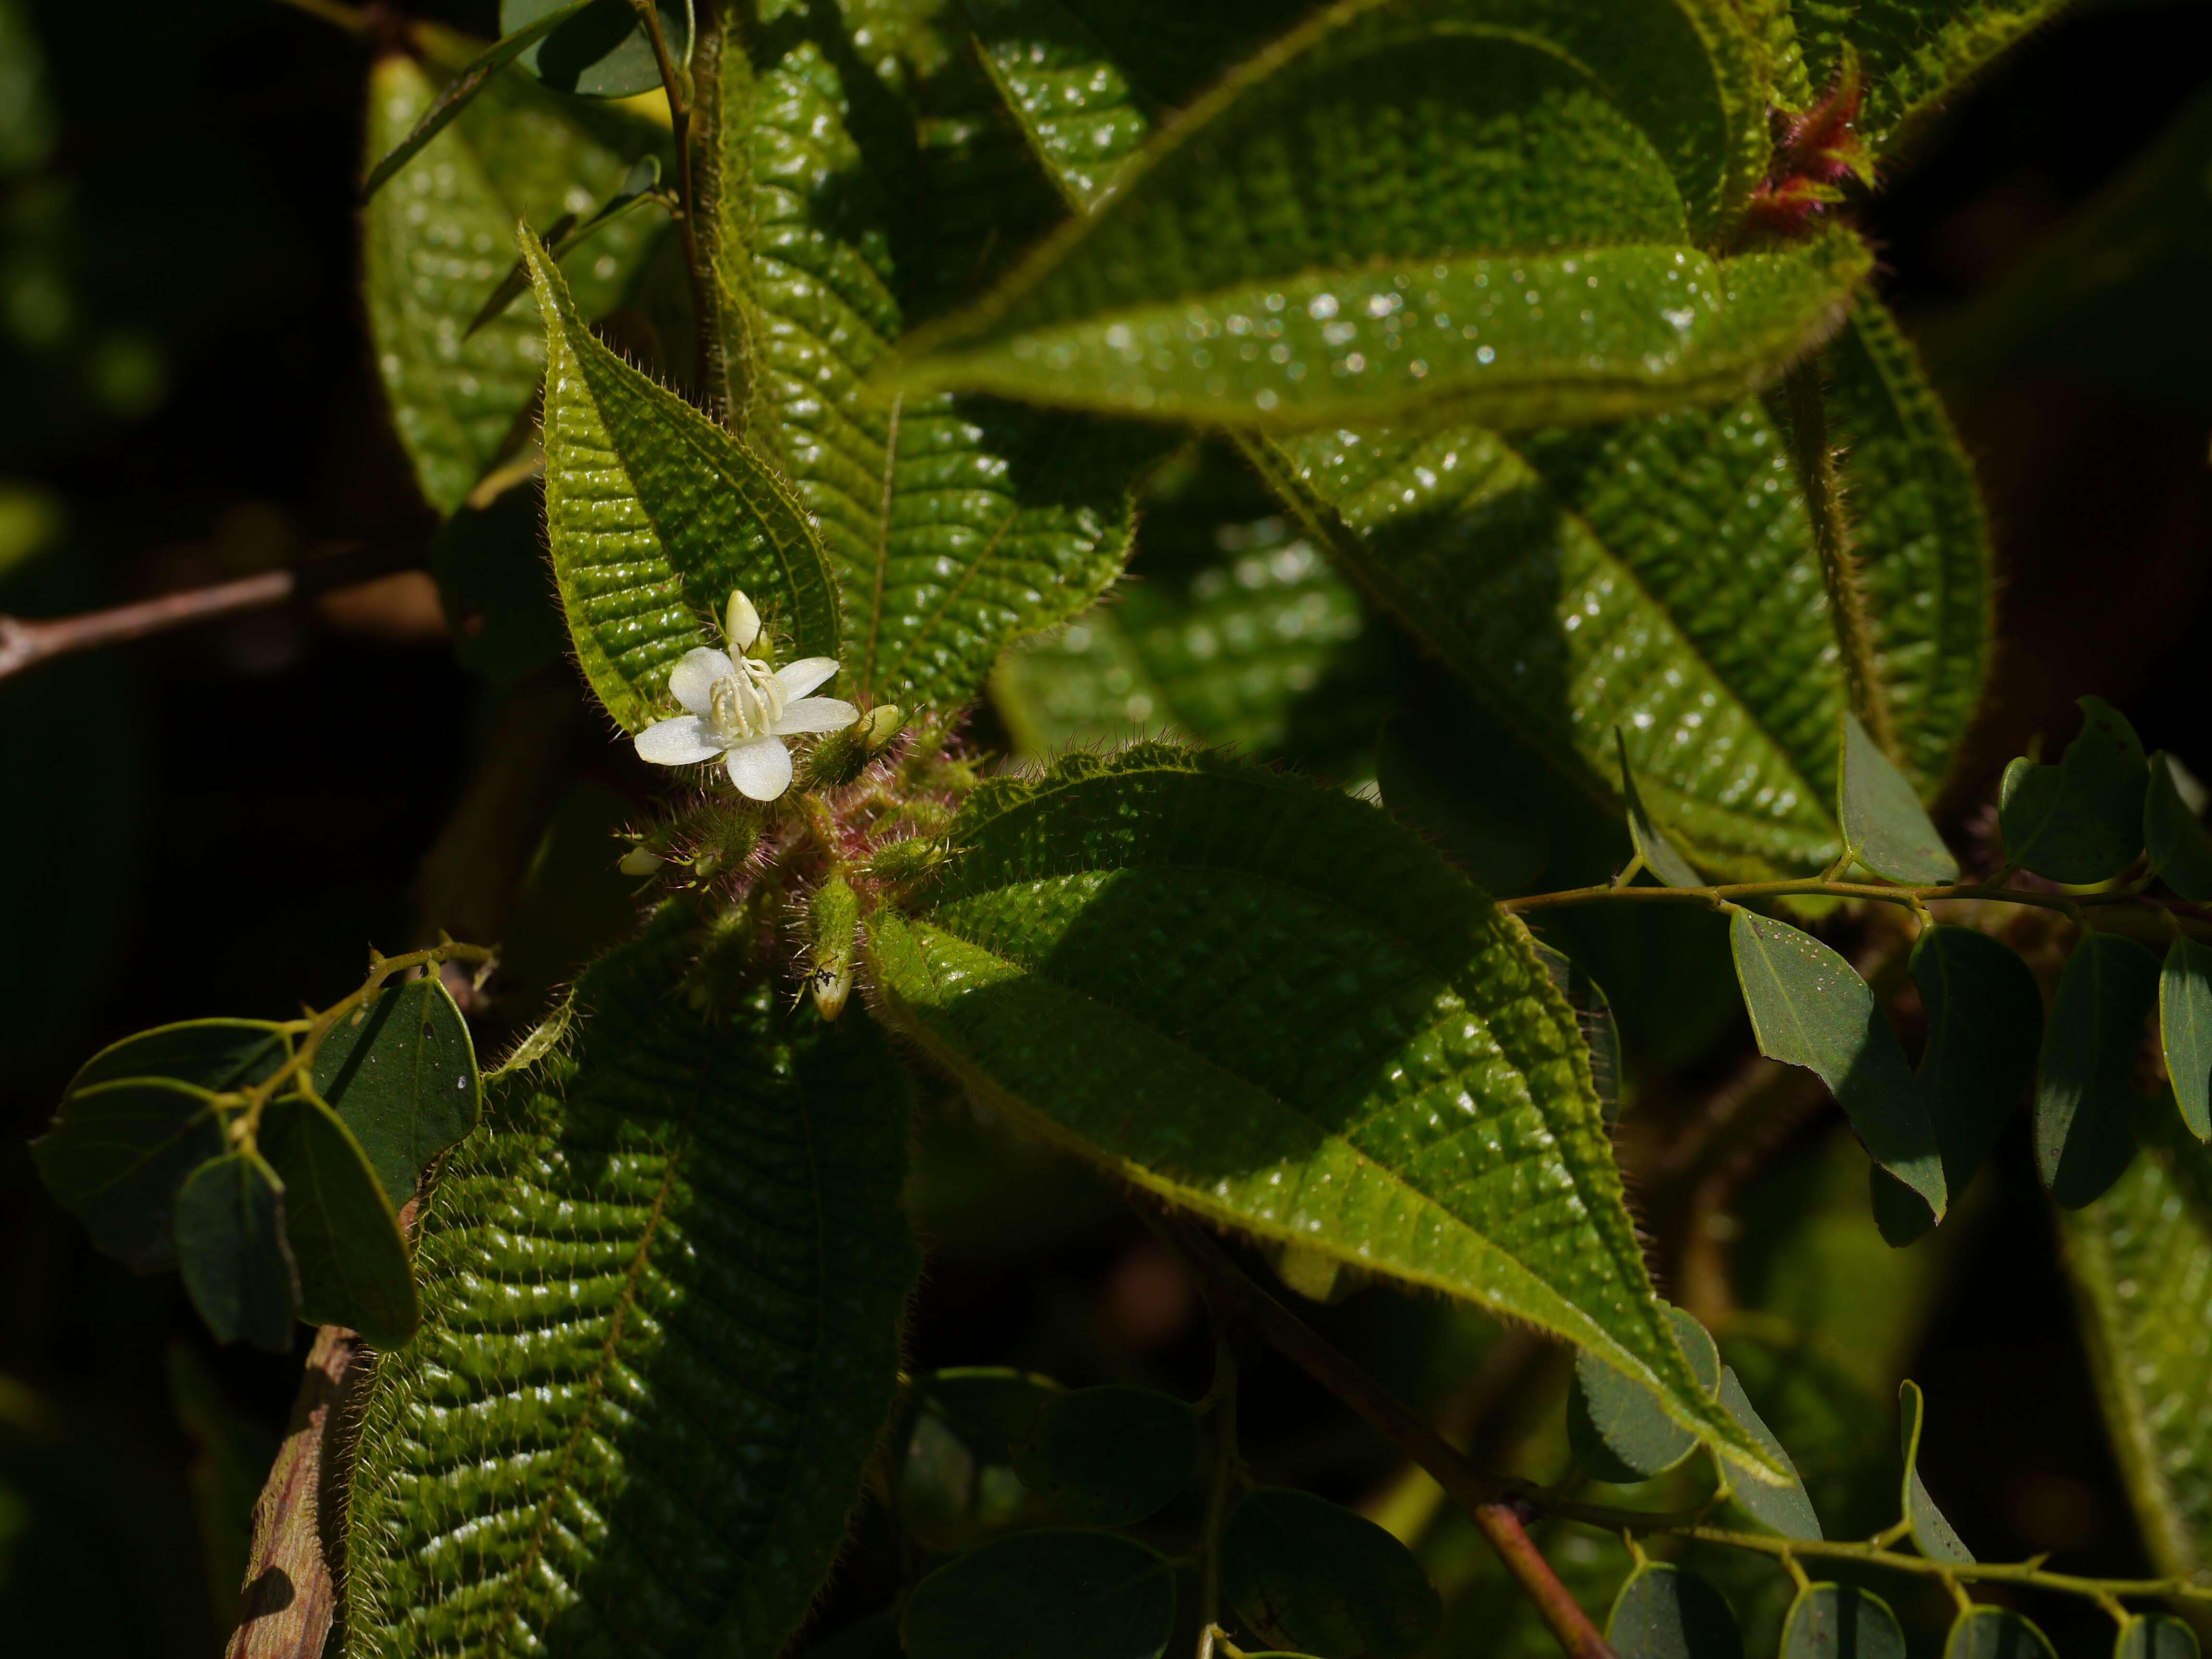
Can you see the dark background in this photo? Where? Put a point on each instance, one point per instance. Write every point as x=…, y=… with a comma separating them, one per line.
x=223, y=820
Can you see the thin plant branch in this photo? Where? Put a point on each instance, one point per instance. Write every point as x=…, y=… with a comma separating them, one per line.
x=704, y=310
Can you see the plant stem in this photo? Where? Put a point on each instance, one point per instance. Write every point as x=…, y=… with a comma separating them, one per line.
x=706, y=332
x=1911, y=897
x=1824, y=504
x=348, y=18
x=1222, y=1395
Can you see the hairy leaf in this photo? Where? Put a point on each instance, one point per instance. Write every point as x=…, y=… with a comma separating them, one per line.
x=1619, y=1431
x=655, y=516
x=1664, y=1612
x=1109, y=1457
x=345, y=1243
x=1913, y=54
x=1808, y=1007
x=2179, y=846
x=1661, y=577
x=2081, y=820
x=2085, y=1086
x=1841, y=1621
x=1885, y=827
x=661, y=1288
x=230, y=1244
x=1987, y=1632
x=2184, y=1030
x=1151, y=957
x=1072, y=1595
x=436, y=239
x=1932, y=1536
x=2141, y=1262
x=402, y=1074
x=1303, y=1573
x=1473, y=205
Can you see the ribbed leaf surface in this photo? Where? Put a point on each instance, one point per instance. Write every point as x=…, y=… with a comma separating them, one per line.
x=2141, y=1262
x=1913, y=53
x=1270, y=1003
x=437, y=240
x=954, y=526
x=1660, y=576
x=655, y=515
x=662, y=1293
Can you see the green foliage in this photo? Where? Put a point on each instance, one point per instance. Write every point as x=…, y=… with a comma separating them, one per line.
x=1619, y=1431
x=2086, y=1094
x=1073, y=1594
x=1109, y=1457
x=1308, y=1574
x=2081, y=820
x=1914, y=54
x=1984, y=1632
x=1652, y=847
x=230, y=1244
x=401, y=1072
x=956, y=1481
x=2155, y=1636
x=600, y=50
x=1885, y=827
x=1664, y=1612
x=1841, y=1621
x=1105, y=902
x=339, y=1226
x=2179, y=848
x=1932, y=1536
x=2184, y=1030
x=1808, y=1007
x=1784, y=1509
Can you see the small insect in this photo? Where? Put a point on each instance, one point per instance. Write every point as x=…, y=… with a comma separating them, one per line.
x=833, y=925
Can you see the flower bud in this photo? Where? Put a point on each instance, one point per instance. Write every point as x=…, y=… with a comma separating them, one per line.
x=843, y=755
x=833, y=927
x=641, y=861
x=743, y=622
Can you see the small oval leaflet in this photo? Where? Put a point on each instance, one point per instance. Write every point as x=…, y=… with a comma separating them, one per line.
x=1108, y=1457
x=1304, y=1573
x=1617, y=1428
x=2085, y=1090
x=1786, y=1510
x=345, y=1243
x=1931, y=1534
x=1808, y=1007
x=402, y=1075
x=1665, y=1613
x=1658, y=853
x=1839, y=1621
x=2184, y=1030
x=602, y=52
x=1885, y=826
x=956, y=1481
x=230, y=1243
x=2081, y=820
x=2155, y=1636
x=2179, y=846
x=1996, y=1633
x=1050, y=1594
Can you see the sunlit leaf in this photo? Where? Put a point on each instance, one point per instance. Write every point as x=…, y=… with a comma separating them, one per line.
x=2179, y=846
x=566, y=235
x=401, y=1072
x=655, y=515
x=345, y=1243
x=1885, y=826
x=1808, y=1007
x=1449, y=1136
x=1664, y=1612
x=2184, y=1030
x=683, y=1229
x=2081, y=820
x=1987, y=1632
x=1619, y=1431
x=1109, y=1457
x=1932, y=1536
x=2085, y=1086
x=604, y=52
x=1658, y=853
x=1304, y=1573
x=1914, y=56
x=230, y=1244
x=1786, y=1510
x=1072, y=1595
x=1841, y=1621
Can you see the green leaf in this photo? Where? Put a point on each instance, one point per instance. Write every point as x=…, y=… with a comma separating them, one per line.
x=953, y=525
x=2180, y=847
x=1985, y=1633
x=1546, y=572
x=1149, y=955
x=344, y=1241
x=1840, y=1622
x=2080, y=821
x=565, y=235
x=401, y=1072
x=1658, y=853
x=138, y=1117
x=1914, y=54
x=1931, y=1534
x=1305, y=1573
x=661, y=1290
x=435, y=242
x=655, y=515
x=2141, y=1260
x=1594, y=1016
x=464, y=86
x=1619, y=1431
x=1663, y=1611
x=1885, y=826
x=2155, y=1636
x=1108, y=1457
x=1786, y=1510
x=1050, y=1594
x=604, y=52
x=2184, y=1030
x=1246, y=268
x=1808, y=1007
x=230, y=1243
x=2085, y=1086
x=1984, y=1021
x=958, y=1484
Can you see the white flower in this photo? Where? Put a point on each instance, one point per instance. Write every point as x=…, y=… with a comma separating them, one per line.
x=744, y=710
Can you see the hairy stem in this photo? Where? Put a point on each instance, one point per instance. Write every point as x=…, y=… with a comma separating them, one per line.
x=1824, y=502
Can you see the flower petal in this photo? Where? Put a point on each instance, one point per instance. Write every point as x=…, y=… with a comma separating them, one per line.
x=691, y=682
x=683, y=741
x=761, y=769
x=815, y=715
x=801, y=676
